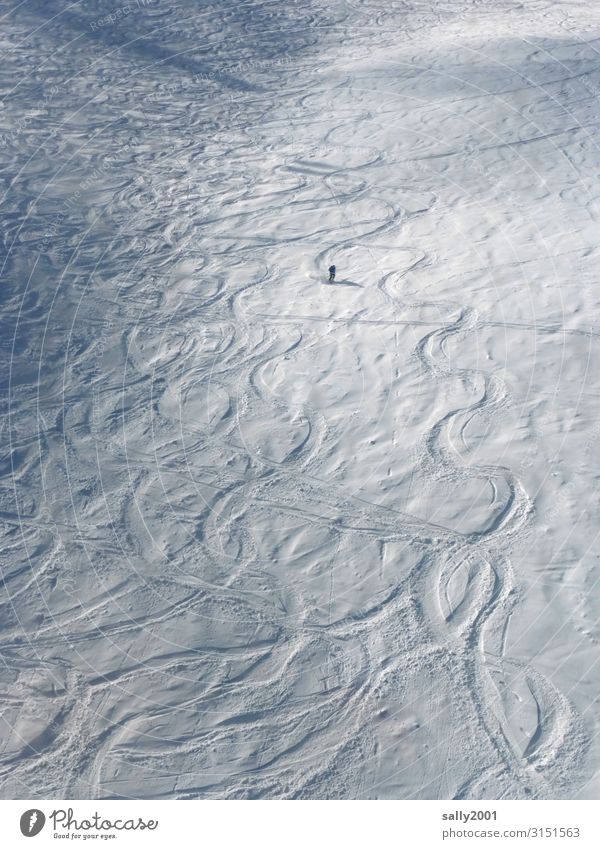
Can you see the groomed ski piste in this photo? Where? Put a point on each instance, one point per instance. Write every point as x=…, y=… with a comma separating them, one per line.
x=265, y=536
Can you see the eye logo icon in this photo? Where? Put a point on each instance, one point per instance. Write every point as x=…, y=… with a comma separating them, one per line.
x=32, y=822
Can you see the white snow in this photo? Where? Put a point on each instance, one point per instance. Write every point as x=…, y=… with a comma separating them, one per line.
x=265, y=537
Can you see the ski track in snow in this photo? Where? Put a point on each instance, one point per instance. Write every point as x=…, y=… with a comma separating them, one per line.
x=266, y=537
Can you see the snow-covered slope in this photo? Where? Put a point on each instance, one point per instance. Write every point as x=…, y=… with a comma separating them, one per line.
x=266, y=537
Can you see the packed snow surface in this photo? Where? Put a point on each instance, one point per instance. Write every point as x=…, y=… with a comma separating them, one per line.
x=265, y=537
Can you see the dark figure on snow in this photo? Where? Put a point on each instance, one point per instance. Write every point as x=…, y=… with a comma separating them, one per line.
x=331, y=273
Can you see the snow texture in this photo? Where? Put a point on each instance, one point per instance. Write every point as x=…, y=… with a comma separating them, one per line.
x=265, y=536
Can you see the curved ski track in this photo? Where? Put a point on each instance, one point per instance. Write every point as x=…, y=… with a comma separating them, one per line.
x=184, y=533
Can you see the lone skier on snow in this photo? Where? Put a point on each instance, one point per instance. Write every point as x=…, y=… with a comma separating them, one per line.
x=331, y=273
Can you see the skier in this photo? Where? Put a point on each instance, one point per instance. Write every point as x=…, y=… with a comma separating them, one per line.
x=331, y=273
